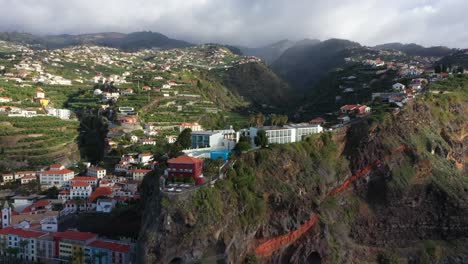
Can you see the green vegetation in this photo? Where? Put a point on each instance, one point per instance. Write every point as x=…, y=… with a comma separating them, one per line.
x=31, y=142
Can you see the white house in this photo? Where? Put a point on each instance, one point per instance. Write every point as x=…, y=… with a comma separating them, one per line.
x=145, y=158
x=105, y=205
x=96, y=172
x=148, y=141
x=5, y=99
x=8, y=177
x=79, y=189
x=27, y=179
x=138, y=174
x=398, y=87
x=193, y=126
x=60, y=113
x=97, y=92
x=49, y=224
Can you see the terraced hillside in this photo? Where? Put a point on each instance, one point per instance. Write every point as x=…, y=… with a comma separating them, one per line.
x=31, y=143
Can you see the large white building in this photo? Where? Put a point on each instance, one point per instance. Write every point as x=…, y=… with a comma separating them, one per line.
x=305, y=129
x=287, y=134
x=55, y=178
x=216, y=139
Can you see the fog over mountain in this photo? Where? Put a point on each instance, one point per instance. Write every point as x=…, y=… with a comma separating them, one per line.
x=248, y=23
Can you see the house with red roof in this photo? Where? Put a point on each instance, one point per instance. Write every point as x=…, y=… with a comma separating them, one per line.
x=4, y=99
x=317, y=121
x=127, y=91
x=192, y=126
x=55, y=167
x=185, y=167
x=80, y=189
x=55, y=177
x=38, y=207
x=100, y=192
x=87, y=179
x=355, y=109
x=127, y=120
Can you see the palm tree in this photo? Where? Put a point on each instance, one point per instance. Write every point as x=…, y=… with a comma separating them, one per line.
x=260, y=119
x=23, y=244
x=78, y=255
x=273, y=119
x=252, y=120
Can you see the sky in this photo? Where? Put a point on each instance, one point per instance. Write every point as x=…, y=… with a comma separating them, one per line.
x=249, y=22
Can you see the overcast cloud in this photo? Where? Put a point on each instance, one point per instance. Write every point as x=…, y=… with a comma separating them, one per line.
x=249, y=22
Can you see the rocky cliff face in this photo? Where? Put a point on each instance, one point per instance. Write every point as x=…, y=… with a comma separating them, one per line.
x=408, y=205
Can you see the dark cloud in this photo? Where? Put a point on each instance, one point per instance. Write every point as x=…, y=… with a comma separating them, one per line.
x=248, y=22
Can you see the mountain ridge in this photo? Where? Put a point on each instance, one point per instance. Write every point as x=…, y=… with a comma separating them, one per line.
x=128, y=42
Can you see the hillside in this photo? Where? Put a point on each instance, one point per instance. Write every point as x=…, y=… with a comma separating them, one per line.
x=416, y=50
x=127, y=42
x=387, y=192
x=33, y=143
x=256, y=83
x=270, y=53
x=455, y=59
x=302, y=66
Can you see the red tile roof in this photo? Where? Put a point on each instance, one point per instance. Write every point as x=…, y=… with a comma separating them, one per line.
x=349, y=107
x=21, y=232
x=110, y=245
x=95, y=168
x=317, y=120
x=40, y=203
x=79, y=184
x=55, y=166
x=100, y=191
x=84, y=178
x=184, y=159
x=74, y=235
x=64, y=171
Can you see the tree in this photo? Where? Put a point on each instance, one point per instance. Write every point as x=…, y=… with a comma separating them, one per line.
x=23, y=244
x=261, y=139
x=259, y=119
x=184, y=139
x=78, y=255
x=52, y=192
x=282, y=120
x=273, y=119
x=242, y=146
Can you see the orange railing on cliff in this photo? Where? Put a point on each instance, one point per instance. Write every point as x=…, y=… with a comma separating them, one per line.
x=269, y=246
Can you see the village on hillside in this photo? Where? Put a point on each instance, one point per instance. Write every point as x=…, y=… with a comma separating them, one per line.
x=154, y=104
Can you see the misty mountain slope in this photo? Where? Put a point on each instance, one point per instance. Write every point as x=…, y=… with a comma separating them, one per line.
x=304, y=65
x=127, y=42
x=273, y=51
x=256, y=83
x=455, y=59
x=416, y=50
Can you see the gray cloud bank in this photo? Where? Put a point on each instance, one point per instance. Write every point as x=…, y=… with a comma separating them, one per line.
x=248, y=22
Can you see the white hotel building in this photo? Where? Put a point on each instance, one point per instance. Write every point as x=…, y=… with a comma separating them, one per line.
x=56, y=178
x=287, y=134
